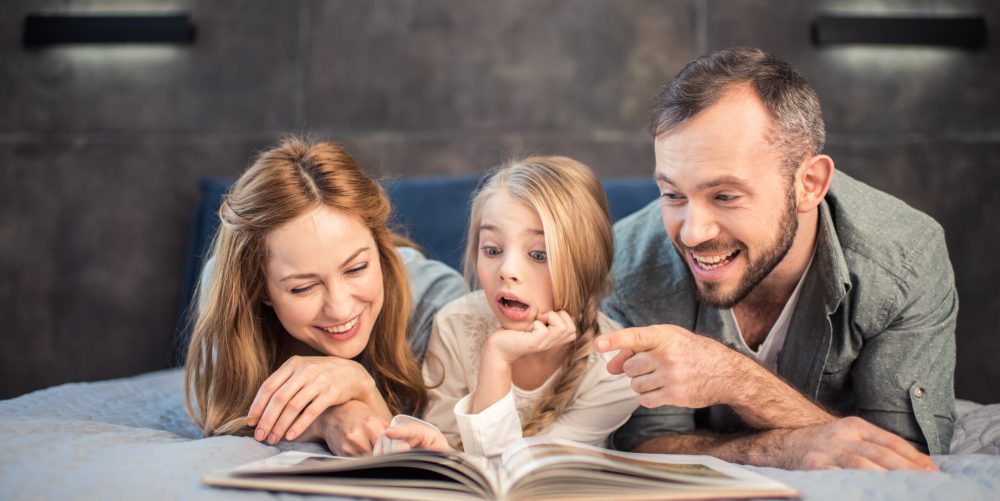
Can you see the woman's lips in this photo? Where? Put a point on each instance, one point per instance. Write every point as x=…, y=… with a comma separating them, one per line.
x=344, y=331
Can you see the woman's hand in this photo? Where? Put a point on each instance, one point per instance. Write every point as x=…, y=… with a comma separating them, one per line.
x=549, y=330
x=414, y=434
x=348, y=429
x=303, y=388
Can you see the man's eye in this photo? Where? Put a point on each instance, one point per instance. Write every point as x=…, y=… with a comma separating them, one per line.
x=722, y=197
x=539, y=256
x=492, y=251
x=672, y=197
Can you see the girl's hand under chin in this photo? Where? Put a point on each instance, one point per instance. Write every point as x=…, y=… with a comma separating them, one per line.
x=549, y=330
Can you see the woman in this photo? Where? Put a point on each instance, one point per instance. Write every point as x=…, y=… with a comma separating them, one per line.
x=304, y=312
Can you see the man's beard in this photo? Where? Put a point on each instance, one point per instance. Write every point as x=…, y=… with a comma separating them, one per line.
x=758, y=269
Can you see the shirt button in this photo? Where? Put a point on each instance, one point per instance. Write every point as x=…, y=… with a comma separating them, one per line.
x=919, y=392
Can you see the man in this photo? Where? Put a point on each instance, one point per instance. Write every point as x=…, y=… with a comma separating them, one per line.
x=815, y=296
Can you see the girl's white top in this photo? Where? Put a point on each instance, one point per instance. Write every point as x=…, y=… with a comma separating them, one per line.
x=601, y=403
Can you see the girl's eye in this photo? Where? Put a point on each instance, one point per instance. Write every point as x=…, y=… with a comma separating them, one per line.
x=492, y=251
x=539, y=256
x=358, y=269
x=300, y=290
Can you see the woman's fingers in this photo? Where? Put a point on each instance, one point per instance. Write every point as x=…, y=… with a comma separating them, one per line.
x=266, y=391
x=300, y=412
x=287, y=394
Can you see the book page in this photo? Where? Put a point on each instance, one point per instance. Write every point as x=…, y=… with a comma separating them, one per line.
x=540, y=467
x=411, y=469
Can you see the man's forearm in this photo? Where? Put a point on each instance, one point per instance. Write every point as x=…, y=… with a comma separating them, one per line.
x=765, y=448
x=765, y=401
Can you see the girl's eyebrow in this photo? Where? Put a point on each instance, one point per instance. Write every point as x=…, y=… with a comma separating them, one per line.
x=494, y=229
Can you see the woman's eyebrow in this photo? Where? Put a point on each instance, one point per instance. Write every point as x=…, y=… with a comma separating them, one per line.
x=299, y=276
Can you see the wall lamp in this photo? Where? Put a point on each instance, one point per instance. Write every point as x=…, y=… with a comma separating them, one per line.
x=43, y=30
x=967, y=32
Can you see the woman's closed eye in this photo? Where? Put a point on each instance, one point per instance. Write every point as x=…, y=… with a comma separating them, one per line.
x=358, y=269
x=301, y=289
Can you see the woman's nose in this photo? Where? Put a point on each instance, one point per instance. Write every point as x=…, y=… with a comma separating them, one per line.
x=337, y=304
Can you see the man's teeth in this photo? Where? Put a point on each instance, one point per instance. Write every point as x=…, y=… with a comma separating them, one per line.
x=342, y=327
x=713, y=262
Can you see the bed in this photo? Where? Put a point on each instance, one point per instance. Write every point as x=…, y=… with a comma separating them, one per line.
x=132, y=439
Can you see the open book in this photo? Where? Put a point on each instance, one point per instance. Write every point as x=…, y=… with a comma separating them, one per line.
x=531, y=468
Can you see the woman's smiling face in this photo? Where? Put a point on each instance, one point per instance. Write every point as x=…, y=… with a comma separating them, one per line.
x=324, y=280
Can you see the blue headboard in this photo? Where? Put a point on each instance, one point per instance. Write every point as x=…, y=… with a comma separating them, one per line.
x=432, y=211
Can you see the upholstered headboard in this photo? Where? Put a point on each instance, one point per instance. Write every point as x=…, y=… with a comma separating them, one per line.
x=433, y=211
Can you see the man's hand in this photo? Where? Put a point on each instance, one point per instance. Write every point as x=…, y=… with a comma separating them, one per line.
x=670, y=365
x=349, y=429
x=850, y=442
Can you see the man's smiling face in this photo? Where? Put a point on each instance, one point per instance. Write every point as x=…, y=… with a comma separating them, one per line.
x=727, y=200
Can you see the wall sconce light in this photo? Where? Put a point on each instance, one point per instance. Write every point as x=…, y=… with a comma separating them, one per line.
x=42, y=30
x=967, y=32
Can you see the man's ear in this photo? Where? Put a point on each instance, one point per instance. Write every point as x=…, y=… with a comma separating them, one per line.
x=813, y=181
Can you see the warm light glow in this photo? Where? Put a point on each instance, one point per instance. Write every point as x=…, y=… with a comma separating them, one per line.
x=129, y=57
x=899, y=61
x=898, y=8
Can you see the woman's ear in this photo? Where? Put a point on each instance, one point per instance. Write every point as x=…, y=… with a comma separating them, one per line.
x=813, y=181
x=267, y=300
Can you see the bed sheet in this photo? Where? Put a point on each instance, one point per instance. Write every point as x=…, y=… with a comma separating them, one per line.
x=131, y=438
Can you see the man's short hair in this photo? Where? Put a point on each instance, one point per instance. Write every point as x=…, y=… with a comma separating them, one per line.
x=788, y=97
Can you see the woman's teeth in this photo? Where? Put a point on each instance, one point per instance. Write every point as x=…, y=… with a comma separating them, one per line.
x=342, y=327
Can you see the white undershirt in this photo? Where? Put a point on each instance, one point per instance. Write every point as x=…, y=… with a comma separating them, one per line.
x=767, y=352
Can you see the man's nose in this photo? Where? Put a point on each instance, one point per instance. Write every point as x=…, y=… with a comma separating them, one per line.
x=699, y=226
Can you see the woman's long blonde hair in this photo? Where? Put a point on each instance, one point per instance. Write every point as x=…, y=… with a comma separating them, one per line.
x=571, y=204
x=236, y=341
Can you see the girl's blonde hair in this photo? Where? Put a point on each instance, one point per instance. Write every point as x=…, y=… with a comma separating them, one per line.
x=237, y=339
x=571, y=204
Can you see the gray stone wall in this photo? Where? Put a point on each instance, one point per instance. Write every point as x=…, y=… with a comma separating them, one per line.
x=101, y=148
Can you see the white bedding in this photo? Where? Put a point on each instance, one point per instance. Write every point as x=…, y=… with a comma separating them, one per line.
x=131, y=439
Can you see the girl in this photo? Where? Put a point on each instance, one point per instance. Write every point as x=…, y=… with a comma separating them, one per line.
x=303, y=321
x=515, y=358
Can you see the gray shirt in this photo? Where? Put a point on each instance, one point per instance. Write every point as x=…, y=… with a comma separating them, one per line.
x=433, y=284
x=873, y=333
